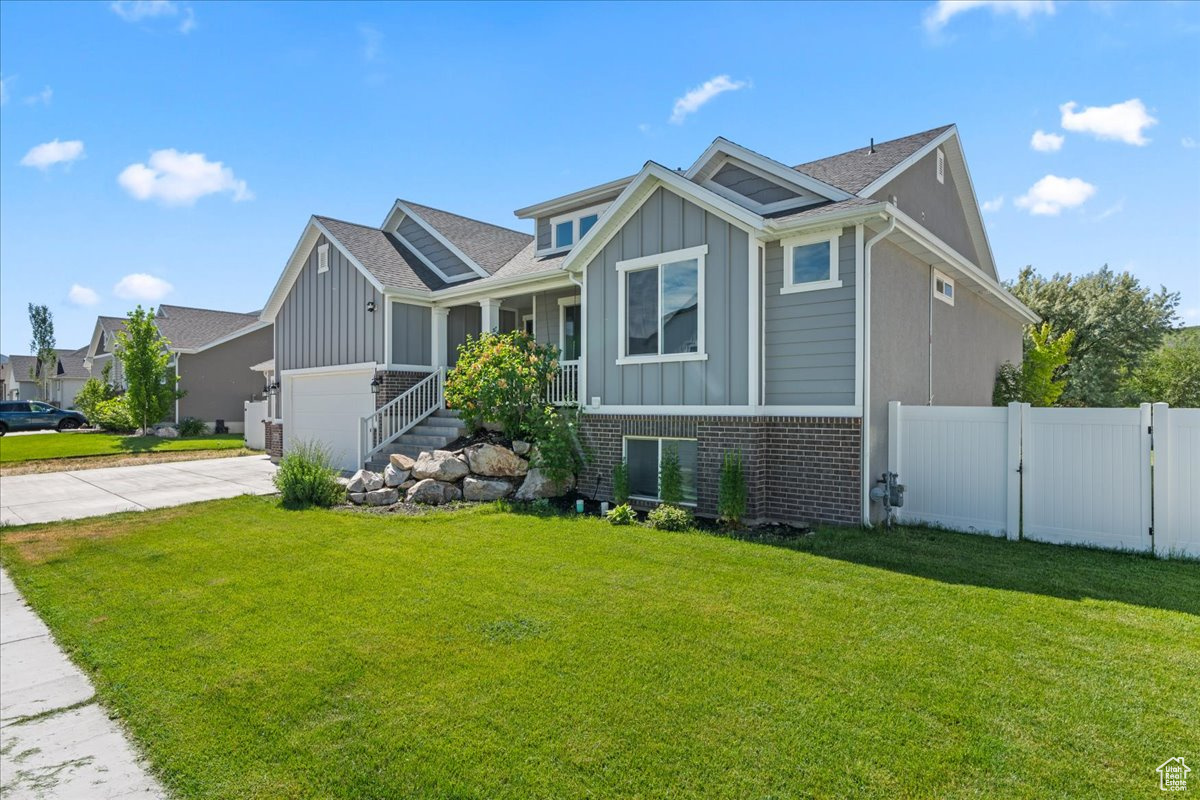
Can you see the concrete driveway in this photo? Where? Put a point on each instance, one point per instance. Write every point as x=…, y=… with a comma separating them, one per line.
x=51, y=496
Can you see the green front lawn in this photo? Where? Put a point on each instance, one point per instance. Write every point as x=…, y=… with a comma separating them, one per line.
x=14, y=449
x=259, y=652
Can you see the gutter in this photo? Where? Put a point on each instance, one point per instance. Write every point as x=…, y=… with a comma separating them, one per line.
x=865, y=455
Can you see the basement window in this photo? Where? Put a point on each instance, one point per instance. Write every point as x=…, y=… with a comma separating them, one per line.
x=643, y=457
x=323, y=258
x=943, y=287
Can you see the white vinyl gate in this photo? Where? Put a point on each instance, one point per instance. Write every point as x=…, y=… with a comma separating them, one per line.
x=1122, y=478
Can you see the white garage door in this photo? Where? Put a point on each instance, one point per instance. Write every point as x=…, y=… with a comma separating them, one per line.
x=327, y=407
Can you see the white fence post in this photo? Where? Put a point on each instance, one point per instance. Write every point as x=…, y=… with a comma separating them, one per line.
x=1013, y=517
x=1160, y=421
x=1147, y=489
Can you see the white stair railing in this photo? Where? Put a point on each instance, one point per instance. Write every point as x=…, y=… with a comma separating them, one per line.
x=564, y=387
x=397, y=417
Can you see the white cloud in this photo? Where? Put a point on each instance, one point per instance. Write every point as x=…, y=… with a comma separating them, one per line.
x=1189, y=143
x=372, y=40
x=1046, y=142
x=189, y=21
x=138, y=10
x=940, y=14
x=44, y=97
x=691, y=102
x=1122, y=122
x=995, y=204
x=179, y=179
x=1115, y=208
x=47, y=154
x=142, y=286
x=1050, y=195
x=82, y=295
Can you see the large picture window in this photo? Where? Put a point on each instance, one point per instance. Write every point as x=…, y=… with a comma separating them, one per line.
x=661, y=306
x=810, y=263
x=643, y=456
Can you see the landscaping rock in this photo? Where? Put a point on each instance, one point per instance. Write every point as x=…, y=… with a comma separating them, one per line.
x=440, y=465
x=357, y=497
x=393, y=477
x=382, y=497
x=365, y=481
x=495, y=461
x=482, y=489
x=167, y=432
x=401, y=462
x=521, y=448
x=537, y=485
x=408, y=484
x=432, y=492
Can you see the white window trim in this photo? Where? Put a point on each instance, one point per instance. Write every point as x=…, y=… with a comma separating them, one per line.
x=660, y=440
x=646, y=262
x=573, y=217
x=323, y=257
x=832, y=282
x=946, y=279
x=530, y=318
x=563, y=304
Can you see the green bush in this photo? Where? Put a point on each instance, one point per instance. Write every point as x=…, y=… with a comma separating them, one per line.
x=669, y=518
x=670, y=476
x=305, y=477
x=190, y=426
x=93, y=392
x=731, y=492
x=622, y=515
x=112, y=415
x=502, y=378
x=560, y=453
x=620, y=480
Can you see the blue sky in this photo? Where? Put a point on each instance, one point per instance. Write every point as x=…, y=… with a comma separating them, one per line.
x=173, y=151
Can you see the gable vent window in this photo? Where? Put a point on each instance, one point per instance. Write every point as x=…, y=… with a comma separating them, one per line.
x=323, y=258
x=941, y=166
x=567, y=229
x=943, y=288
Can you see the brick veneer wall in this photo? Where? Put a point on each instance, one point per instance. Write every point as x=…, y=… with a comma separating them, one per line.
x=394, y=383
x=274, y=439
x=798, y=469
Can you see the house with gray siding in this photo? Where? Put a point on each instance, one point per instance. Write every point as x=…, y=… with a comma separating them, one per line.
x=219, y=356
x=738, y=304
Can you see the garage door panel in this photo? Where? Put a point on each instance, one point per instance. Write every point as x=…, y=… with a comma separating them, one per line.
x=327, y=408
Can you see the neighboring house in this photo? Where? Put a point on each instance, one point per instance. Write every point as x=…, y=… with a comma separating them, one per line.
x=69, y=377
x=3, y=377
x=20, y=378
x=212, y=353
x=740, y=304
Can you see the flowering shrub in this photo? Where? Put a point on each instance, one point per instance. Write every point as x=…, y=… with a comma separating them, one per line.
x=501, y=378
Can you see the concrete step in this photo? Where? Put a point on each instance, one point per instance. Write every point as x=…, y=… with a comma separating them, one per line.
x=446, y=413
x=426, y=429
x=432, y=442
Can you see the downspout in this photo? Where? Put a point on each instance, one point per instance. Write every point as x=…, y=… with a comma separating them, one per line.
x=865, y=467
x=929, y=343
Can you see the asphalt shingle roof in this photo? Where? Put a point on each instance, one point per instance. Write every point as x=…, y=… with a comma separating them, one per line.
x=70, y=363
x=855, y=170
x=188, y=328
x=815, y=212
x=526, y=263
x=383, y=256
x=489, y=246
x=22, y=366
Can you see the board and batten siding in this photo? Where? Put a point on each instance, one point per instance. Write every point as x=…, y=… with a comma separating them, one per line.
x=809, y=343
x=754, y=187
x=411, y=334
x=324, y=321
x=462, y=321
x=432, y=249
x=546, y=326
x=667, y=222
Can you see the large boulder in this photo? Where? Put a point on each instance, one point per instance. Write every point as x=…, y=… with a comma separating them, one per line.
x=393, y=477
x=365, y=481
x=357, y=497
x=482, y=489
x=401, y=462
x=433, y=493
x=167, y=432
x=382, y=497
x=495, y=461
x=538, y=485
x=440, y=465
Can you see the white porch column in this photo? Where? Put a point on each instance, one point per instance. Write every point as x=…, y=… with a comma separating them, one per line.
x=490, y=317
x=438, y=340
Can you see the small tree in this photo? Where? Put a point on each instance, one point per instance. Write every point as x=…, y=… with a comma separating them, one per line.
x=145, y=359
x=670, y=477
x=41, y=344
x=1037, y=380
x=731, y=493
x=620, y=483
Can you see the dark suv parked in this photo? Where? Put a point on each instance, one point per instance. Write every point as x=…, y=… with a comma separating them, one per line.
x=19, y=415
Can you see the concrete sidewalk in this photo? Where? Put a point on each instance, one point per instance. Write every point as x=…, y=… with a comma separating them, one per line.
x=51, y=496
x=55, y=739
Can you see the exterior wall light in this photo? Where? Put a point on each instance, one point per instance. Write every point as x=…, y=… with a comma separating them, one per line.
x=371, y=306
x=375, y=383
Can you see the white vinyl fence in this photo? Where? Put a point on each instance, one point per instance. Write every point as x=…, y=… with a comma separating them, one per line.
x=1122, y=478
x=255, y=433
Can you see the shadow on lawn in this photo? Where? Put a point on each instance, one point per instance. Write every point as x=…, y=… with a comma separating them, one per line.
x=1070, y=573
x=140, y=444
